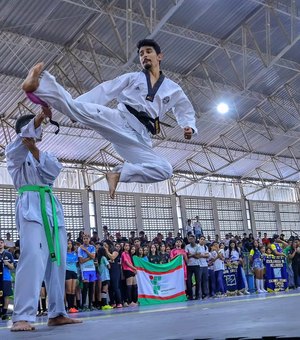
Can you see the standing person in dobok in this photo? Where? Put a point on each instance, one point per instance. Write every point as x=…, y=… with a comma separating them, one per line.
x=143, y=100
x=40, y=223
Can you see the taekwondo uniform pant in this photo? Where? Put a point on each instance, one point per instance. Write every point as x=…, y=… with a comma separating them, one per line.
x=33, y=267
x=142, y=164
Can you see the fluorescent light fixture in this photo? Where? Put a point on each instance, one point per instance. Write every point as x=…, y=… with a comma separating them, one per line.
x=222, y=108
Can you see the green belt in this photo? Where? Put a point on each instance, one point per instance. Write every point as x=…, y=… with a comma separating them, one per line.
x=43, y=190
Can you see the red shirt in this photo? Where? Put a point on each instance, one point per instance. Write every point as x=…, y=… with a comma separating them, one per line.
x=125, y=257
x=265, y=241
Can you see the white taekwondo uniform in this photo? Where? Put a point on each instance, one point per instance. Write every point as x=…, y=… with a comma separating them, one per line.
x=129, y=136
x=34, y=264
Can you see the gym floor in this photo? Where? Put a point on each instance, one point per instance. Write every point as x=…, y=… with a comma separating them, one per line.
x=267, y=316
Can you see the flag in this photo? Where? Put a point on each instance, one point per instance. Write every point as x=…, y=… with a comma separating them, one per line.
x=160, y=283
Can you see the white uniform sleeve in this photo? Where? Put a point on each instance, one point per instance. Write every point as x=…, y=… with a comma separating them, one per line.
x=16, y=151
x=106, y=91
x=184, y=112
x=48, y=167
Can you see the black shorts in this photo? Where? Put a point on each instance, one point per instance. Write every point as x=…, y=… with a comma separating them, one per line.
x=105, y=283
x=7, y=288
x=128, y=274
x=71, y=275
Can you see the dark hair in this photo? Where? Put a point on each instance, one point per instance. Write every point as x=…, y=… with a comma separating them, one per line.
x=22, y=121
x=1, y=239
x=148, y=42
x=101, y=253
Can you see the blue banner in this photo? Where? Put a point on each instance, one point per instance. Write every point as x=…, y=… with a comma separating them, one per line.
x=276, y=274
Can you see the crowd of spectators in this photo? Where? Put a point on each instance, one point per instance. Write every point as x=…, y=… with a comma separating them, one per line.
x=101, y=275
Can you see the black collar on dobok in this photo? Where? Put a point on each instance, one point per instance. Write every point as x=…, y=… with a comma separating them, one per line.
x=152, y=90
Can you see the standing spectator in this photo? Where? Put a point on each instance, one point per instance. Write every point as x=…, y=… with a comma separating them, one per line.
x=193, y=255
x=188, y=228
x=129, y=272
x=203, y=264
x=198, y=230
x=132, y=237
x=218, y=257
x=137, y=244
x=146, y=253
x=71, y=277
x=153, y=255
x=294, y=256
x=164, y=256
x=8, y=265
x=104, y=267
x=105, y=232
x=265, y=240
x=80, y=237
x=9, y=243
x=86, y=255
x=170, y=239
x=256, y=262
x=259, y=238
x=114, y=257
x=95, y=237
x=277, y=245
x=179, y=251
x=143, y=238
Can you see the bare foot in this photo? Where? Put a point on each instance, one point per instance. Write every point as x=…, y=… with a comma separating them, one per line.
x=22, y=326
x=31, y=83
x=62, y=320
x=112, y=180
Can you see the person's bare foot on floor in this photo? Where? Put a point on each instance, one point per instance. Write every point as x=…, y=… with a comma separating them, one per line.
x=112, y=180
x=62, y=320
x=31, y=83
x=22, y=326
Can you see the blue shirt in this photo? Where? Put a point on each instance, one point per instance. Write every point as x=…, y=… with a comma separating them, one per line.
x=88, y=266
x=103, y=268
x=72, y=260
x=6, y=271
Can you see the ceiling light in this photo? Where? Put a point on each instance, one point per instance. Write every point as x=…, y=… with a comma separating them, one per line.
x=222, y=108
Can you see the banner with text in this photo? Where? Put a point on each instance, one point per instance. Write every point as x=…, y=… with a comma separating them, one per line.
x=276, y=274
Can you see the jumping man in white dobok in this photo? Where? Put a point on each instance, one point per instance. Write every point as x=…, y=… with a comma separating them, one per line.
x=143, y=97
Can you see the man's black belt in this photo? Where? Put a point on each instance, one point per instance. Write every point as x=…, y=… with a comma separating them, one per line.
x=151, y=124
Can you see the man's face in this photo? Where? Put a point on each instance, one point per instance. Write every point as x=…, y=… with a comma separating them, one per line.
x=192, y=240
x=149, y=58
x=202, y=241
x=1, y=245
x=137, y=243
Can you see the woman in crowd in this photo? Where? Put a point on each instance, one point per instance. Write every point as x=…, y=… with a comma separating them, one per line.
x=80, y=237
x=146, y=253
x=129, y=273
x=218, y=257
x=153, y=256
x=294, y=256
x=140, y=252
x=178, y=250
x=71, y=277
x=234, y=257
x=164, y=256
x=113, y=254
x=105, y=277
x=256, y=262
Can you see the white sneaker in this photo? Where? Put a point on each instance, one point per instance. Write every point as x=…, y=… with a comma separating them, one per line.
x=259, y=291
x=246, y=292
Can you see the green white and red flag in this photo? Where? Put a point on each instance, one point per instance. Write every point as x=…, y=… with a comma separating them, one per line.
x=160, y=283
